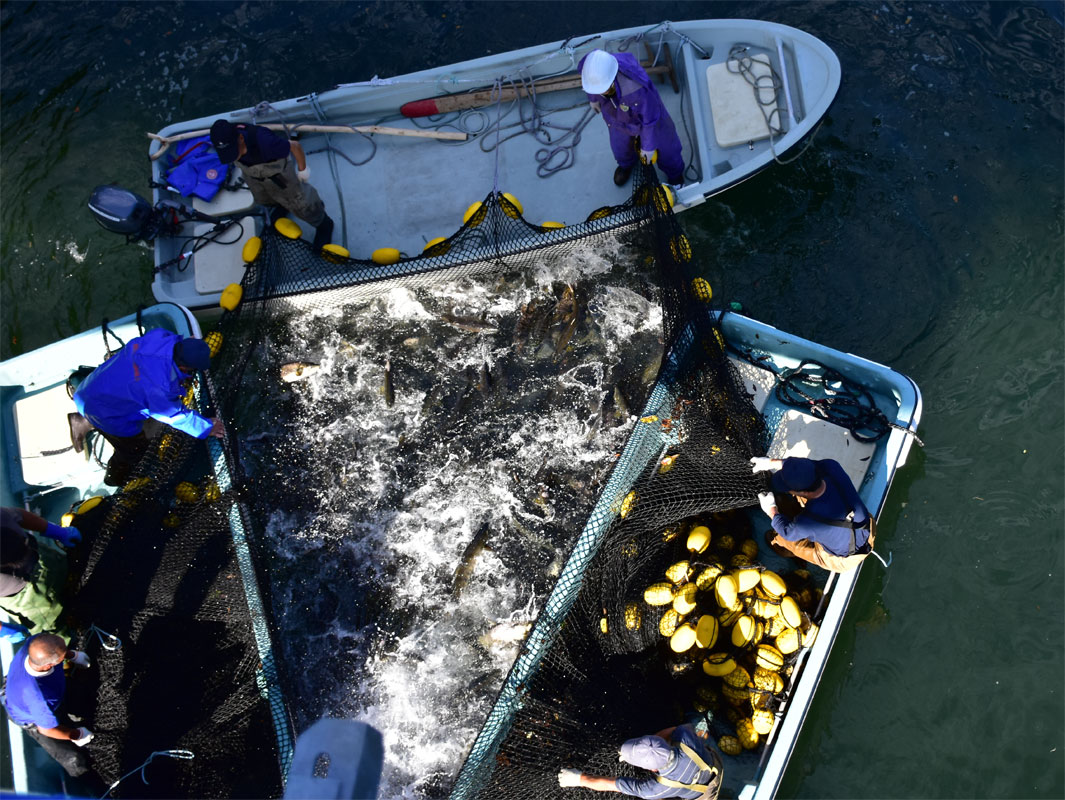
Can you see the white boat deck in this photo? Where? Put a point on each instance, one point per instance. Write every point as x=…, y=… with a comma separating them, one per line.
x=402, y=191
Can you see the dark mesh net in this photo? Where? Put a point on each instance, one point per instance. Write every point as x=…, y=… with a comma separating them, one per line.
x=597, y=667
x=162, y=577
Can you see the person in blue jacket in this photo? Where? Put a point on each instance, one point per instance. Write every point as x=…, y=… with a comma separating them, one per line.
x=683, y=765
x=831, y=528
x=33, y=697
x=618, y=88
x=144, y=381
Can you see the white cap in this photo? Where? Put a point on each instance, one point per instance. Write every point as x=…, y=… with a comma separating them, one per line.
x=598, y=71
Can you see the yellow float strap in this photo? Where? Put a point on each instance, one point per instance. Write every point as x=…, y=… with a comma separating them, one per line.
x=700, y=763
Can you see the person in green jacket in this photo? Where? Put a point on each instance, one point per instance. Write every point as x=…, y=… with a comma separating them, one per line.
x=33, y=568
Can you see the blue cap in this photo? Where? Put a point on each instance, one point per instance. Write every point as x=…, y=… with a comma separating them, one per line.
x=796, y=475
x=649, y=752
x=192, y=353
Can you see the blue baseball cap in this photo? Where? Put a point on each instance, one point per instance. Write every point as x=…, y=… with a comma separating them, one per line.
x=649, y=752
x=796, y=475
x=192, y=353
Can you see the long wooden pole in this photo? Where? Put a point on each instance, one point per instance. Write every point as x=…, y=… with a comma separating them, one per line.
x=383, y=129
x=484, y=97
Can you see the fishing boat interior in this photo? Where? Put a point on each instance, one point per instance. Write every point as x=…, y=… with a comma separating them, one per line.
x=669, y=607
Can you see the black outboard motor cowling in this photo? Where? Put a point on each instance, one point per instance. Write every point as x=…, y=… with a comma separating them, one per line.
x=122, y=211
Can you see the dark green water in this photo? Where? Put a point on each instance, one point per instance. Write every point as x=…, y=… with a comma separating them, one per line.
x=923, y=229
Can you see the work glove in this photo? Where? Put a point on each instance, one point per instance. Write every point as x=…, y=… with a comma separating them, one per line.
x=304, y=174
x=84, y=737
x=595, y=106
x=80, y=659
x=767, y=502
x=13, y=632
x=763, y=464
x=648, y=156
x=568, y=778
x=68, y=537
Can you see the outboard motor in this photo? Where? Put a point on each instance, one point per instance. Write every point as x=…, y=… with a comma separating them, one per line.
x=122, y=211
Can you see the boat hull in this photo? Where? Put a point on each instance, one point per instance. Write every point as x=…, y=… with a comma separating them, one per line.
x=552, y=154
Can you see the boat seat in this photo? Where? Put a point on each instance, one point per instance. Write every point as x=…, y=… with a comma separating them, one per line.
x=46, y=454
x=225, y=203
x=800, y=434
x=217, y=265
x=738, y=117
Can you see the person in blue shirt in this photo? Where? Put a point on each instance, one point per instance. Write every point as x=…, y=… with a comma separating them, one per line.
x=33, y=572
x=144, y=381
x=684, y=766
x=274, y=180
x=831, y=527
x=639, y=125
x=33, y=697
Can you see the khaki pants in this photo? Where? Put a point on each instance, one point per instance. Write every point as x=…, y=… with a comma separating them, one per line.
x=275, y=183
x=814, y=553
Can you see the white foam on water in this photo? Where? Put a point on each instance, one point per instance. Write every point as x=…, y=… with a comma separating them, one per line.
x=366, y=565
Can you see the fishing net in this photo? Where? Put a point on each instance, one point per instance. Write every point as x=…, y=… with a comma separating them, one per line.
x=196, y=670
x=163, y=613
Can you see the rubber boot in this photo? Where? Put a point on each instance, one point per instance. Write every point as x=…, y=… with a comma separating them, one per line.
x=323, y=234
x=621, y=175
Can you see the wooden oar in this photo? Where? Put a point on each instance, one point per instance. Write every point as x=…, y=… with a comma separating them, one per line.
x=484, y=97
x=384, y=129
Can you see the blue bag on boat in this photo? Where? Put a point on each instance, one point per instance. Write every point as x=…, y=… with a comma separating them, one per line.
x=195, y=169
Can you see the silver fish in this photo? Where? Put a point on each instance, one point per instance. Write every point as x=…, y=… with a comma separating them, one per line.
x=464, y=571
x=387, y=389
x=505, y=633
x=484, y=380
x=298, y=371
x=621, y=405
x=471, y=324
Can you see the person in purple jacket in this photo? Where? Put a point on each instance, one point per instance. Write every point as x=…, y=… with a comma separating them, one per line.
x=639, y=125
x=144, y=381
x=828, y=525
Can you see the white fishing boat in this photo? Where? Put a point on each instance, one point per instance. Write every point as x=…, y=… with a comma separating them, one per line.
x=764, y=357
x=741, y=94
x=44, y=472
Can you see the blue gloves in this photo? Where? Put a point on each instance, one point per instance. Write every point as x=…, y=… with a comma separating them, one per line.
x=13, y=632
x=68, y=537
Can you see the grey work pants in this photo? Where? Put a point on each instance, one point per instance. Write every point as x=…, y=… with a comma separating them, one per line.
x=275, y=183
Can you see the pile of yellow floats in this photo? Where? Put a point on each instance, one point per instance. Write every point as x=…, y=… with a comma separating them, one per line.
x=742, y=622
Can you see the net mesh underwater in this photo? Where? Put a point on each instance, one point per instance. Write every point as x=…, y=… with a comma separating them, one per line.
x=195, y=670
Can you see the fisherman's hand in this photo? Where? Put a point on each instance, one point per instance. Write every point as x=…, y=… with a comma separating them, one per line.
x=768, y=503
x=304, y=174
x=648, y=156
x=13, y=632
x=79, y=659
x=764, y=464
x=68, y=537
x=595, y=106
x=568, y=778
x=217, y=429
x=84, y=737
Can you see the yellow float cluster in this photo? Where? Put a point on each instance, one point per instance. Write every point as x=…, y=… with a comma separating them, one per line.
x=741, y=623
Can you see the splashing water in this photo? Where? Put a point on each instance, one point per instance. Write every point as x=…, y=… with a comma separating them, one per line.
x=412, y=542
